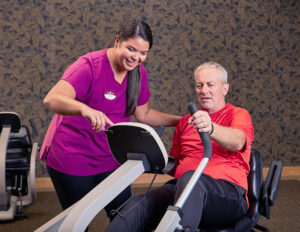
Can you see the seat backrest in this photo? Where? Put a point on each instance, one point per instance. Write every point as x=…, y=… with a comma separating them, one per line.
x=10, y=119
x=18, y=149
x=18, y=156
x=255, y=183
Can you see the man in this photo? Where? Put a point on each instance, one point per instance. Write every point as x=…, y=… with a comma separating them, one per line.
x=219, y=197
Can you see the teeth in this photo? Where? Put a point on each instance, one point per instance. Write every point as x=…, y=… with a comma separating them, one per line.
x=130, y=63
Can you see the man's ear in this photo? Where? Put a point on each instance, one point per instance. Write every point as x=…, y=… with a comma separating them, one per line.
x=226, y=88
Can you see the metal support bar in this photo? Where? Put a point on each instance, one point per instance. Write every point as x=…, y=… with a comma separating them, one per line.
x=78, y=216
x=192, y=182
x=171, y=219
x=31, y=195
x=89, y=206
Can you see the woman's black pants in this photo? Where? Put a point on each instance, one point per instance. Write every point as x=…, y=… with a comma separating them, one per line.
x=71, y=189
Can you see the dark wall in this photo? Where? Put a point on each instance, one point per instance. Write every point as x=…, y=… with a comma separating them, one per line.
x=256, y=41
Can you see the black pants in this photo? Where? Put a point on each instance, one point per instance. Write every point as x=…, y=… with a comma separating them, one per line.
x=71, y=189
x=212, y=202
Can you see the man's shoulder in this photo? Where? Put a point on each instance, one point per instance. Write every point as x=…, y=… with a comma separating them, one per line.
x=239, y=113
x=240, y=110
x=236, y=109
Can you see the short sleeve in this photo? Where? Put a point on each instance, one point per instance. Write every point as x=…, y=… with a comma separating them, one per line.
x=79, y=75
x=145, y=94
x=242, y=121
x=175, y=149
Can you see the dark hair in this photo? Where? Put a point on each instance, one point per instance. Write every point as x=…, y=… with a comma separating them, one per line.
x=132, y=29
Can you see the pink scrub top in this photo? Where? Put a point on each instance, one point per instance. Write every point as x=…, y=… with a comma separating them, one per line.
x=70, y=145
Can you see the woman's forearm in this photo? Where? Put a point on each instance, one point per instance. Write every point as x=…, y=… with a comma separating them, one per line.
x=61, y=99
x=155, y=118
x=63, y=105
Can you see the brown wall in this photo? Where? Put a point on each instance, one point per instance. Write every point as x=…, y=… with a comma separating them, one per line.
x=257, y=41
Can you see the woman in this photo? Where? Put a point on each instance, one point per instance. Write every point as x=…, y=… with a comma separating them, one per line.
x=101, y=88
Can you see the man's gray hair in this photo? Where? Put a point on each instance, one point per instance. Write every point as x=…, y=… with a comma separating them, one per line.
x=222, y=70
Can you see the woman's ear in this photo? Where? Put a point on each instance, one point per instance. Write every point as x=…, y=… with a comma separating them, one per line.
x=117, y=41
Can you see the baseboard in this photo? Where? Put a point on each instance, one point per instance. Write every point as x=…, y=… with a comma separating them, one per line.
x=44, y=184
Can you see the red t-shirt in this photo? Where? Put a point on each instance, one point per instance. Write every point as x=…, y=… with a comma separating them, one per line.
x=224, y=164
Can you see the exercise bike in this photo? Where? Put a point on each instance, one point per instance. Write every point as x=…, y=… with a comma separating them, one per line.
x=138, y=148
x=17, y=167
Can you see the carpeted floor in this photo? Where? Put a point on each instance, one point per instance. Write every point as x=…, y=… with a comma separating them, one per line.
x=285, y=215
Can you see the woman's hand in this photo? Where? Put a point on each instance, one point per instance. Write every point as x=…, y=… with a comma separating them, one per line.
x=201, y=121
x=97, y=119
x=61, y=100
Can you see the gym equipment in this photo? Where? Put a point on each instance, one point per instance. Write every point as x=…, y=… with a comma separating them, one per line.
x=17, y=167
x=145, y=153
x=138, y=148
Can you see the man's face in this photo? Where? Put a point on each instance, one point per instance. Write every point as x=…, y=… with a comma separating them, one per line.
x=210, y=89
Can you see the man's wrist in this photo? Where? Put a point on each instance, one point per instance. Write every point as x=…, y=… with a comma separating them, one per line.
x=212, y=129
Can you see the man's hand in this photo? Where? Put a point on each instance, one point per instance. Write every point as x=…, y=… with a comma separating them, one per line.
x=201, y=121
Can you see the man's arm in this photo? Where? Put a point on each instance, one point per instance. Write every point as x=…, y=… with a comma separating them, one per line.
x=230, y=138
